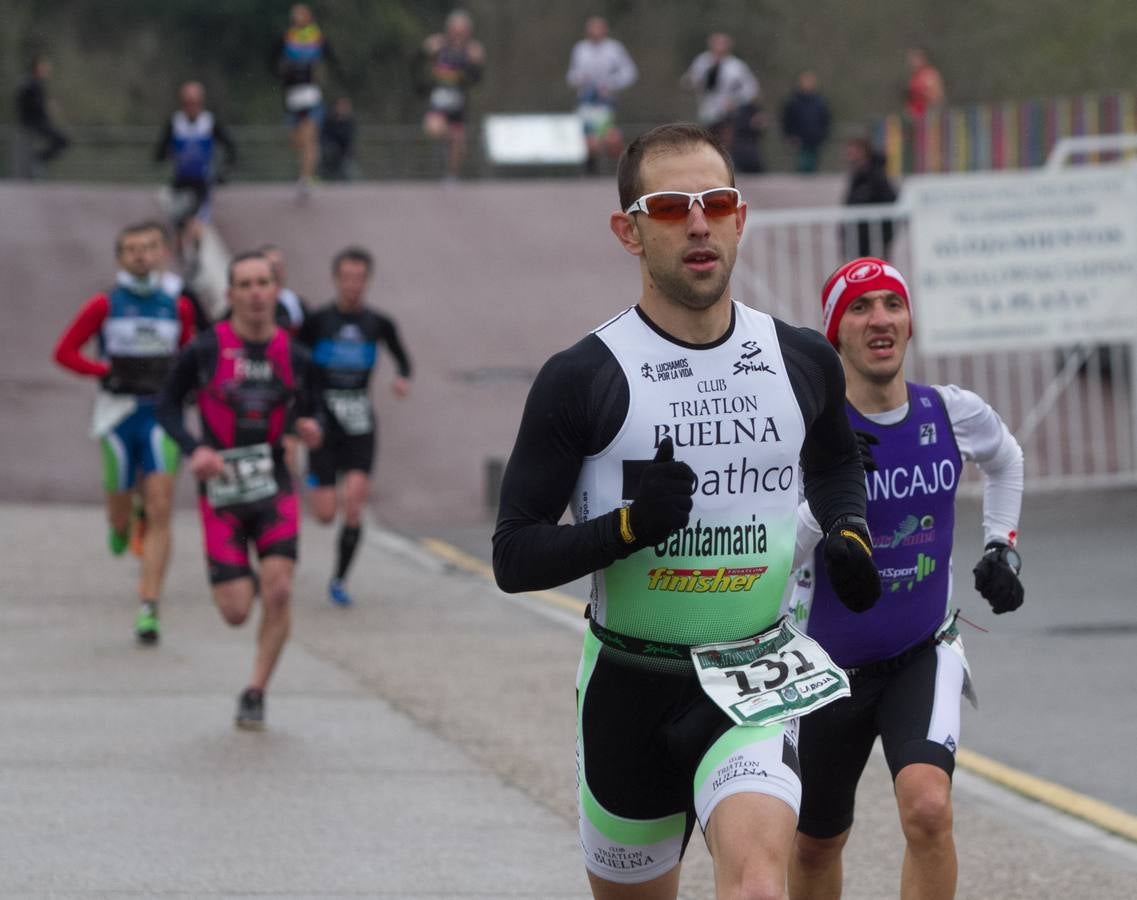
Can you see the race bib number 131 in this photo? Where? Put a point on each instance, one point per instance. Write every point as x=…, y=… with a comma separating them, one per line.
x=777, y=675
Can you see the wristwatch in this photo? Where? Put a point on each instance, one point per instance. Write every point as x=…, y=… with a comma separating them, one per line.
x=1006, y=554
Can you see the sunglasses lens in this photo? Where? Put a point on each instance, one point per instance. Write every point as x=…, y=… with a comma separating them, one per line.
x=670, y=207
x=717, y=204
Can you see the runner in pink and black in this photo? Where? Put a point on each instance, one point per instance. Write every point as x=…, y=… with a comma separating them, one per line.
x=252, y=382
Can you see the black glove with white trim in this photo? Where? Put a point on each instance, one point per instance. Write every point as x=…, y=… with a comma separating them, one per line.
x=997, y=577
x=849, y=563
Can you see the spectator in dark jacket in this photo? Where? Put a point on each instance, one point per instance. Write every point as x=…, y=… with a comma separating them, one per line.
x=34, y=114
x=337, y=143
x=868, y=183
x=805, y=122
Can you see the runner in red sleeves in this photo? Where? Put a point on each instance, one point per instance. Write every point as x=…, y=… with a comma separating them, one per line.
x=138, y=324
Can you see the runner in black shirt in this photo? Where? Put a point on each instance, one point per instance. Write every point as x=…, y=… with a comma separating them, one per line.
x=345, y=337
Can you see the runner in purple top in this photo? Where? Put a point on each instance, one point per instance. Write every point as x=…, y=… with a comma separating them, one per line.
x=904, y=656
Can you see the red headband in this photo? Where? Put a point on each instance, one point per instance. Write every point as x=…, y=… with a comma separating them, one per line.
x=855, y=279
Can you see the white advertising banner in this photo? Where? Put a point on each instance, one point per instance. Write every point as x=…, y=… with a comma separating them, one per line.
x=535, y=139
x=1014, y=260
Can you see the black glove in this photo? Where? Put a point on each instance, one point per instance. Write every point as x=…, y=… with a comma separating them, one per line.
x=849, y=564
x=663, y=502
x=997, y=578
x=865, y=443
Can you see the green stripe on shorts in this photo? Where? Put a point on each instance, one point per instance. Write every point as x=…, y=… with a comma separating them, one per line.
x=171, y=454
x=628, y=832
x=734, y=740
x=111, y=466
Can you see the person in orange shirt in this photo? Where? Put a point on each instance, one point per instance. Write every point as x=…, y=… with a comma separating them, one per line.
x=925, y=90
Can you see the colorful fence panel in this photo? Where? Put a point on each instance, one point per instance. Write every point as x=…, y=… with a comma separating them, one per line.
x=1012, y=135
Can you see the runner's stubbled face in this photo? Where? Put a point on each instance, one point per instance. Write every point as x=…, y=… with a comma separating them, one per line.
x=140, y=253
x=252, y=294
x=689, y=262
x=351, y=280
x=872, y=336
x=161, y=260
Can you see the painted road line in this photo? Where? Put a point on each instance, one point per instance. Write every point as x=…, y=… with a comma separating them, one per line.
x=1106, y=817
x=462, y=560
x=1101, y=815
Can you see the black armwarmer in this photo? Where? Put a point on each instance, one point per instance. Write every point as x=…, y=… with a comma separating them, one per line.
x=181, y=380
x=575, y=408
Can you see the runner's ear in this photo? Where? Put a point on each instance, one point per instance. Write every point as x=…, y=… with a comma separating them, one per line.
x=627, y=233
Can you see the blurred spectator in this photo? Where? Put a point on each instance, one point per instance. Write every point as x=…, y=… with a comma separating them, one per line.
x=298, y=58
x=745, y=136
x=805, y=122
x=600, y=68
x=450, y=63
x=337, y=143
x=291, y=308
x=868, y=183
x=190, y=136
x=724, y=86
x=925, y=91
x=34, y=114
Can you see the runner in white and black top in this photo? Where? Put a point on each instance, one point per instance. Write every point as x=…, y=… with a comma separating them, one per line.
x=904, y=656
x=600, y=69
x=676, y=431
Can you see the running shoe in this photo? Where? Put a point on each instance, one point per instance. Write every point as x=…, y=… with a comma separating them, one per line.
x=251, y=710
x=118, y=542
x=337, y=593
x=146, y=625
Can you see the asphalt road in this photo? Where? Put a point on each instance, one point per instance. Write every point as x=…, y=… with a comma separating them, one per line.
x=419, y=745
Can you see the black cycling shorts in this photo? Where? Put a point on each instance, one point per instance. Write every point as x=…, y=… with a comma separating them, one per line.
x=341, y=453
x=915, y=710
x=656, y=755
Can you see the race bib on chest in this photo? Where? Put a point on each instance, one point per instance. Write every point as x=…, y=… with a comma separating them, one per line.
x=302, y=97
x=777, y=675
x=352, y=410
x=596, y=116
x=447, y=99
x=248, y=477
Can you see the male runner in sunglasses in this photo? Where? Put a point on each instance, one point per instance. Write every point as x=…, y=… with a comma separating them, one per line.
x=676, y=430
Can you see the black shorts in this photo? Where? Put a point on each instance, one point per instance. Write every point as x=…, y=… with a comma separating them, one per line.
x=341, y=453
x=656, y=755
x=915, y=710
x=455, y=118
x=190, y=196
